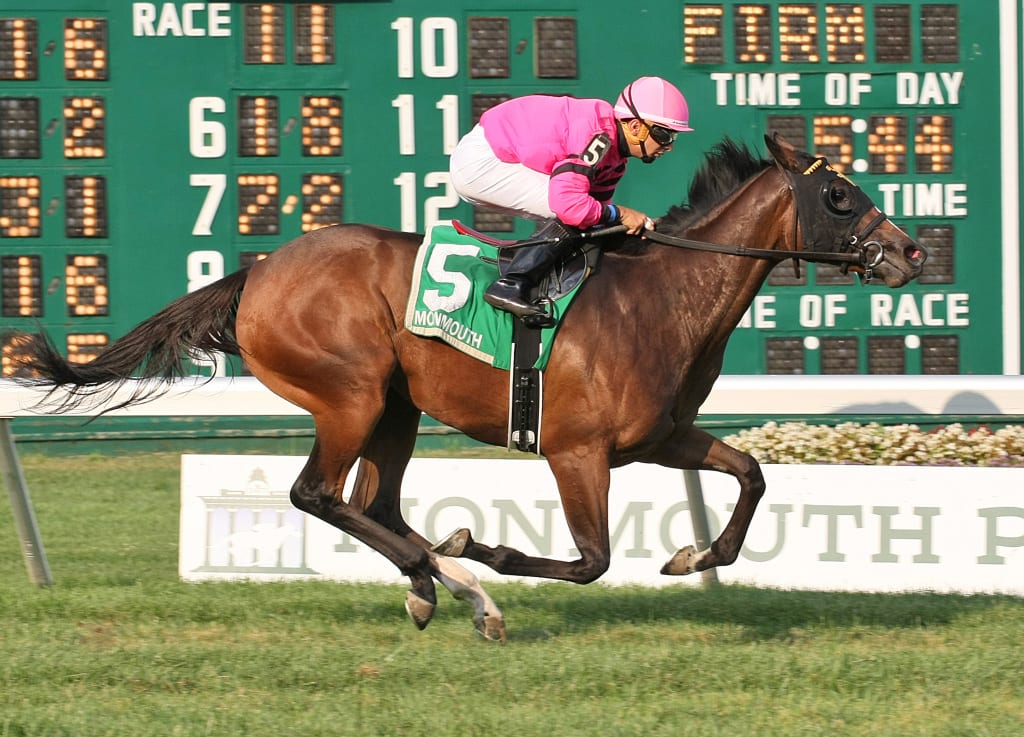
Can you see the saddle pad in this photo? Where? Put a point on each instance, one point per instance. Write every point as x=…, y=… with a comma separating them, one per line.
x=446, y=299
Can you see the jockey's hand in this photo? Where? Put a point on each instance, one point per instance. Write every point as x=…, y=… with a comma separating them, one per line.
x=634, y=220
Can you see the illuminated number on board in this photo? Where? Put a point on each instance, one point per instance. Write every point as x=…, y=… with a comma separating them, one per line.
x=85, y=347
x=86, y=282
x=85, y=48
x=22, y=286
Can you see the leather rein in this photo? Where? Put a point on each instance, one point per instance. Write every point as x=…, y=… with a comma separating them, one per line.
x=852, y=248
x=867, y=255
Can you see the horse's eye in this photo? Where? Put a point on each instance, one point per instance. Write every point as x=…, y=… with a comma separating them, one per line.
x=838, y=197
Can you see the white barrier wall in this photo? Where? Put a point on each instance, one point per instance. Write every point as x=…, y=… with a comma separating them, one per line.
x=770, y=396
x=732, y=395
x=852, y=528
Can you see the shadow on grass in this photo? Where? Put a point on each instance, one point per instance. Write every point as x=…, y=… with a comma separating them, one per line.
x=541, y=611
x=533, y=612
x=763, y=613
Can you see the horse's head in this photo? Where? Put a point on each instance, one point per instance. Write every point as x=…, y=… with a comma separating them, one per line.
x=835, y=215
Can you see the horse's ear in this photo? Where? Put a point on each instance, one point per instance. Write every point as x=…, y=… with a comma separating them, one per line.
x=784, y=152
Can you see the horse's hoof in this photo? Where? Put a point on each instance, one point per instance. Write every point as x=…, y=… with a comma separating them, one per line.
x=682, y=563
x=420, y=610
x=491, y=628
x=455, y=544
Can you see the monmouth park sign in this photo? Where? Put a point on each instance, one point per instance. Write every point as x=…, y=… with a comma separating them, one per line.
x=850, y=528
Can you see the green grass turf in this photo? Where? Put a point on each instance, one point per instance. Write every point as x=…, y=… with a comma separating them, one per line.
x=119, y=646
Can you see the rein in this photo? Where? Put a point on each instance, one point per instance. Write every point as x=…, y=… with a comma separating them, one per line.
x=858, y=258
x=812, y=190
x=766, y=253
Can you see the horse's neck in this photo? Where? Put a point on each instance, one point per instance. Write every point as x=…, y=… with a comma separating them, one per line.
x=758, y=215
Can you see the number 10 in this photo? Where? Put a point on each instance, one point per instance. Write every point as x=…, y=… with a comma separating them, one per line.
x=429, y=65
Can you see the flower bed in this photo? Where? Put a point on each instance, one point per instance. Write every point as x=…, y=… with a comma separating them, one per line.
x=875, y=444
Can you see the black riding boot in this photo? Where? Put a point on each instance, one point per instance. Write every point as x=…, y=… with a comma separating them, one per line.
x=529, y=264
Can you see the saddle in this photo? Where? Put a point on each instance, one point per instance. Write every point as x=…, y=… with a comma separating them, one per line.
x=560, y=280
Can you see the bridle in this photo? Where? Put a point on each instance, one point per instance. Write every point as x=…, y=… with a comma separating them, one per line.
x=826, y=200
x=828, y=208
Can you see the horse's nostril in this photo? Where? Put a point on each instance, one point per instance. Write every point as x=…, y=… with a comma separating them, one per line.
x=915, y=254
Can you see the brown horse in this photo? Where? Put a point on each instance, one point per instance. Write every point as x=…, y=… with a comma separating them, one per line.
x=320, y=322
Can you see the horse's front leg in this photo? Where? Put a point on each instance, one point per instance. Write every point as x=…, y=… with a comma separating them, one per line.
x=698, y=450
x=583, y=480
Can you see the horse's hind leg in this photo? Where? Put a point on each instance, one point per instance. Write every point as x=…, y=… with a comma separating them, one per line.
x=583, y=481
x=377, y=493
x=318, y=491
x=697, y=449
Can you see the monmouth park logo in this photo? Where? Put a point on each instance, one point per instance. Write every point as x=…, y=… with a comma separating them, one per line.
x=254, y=529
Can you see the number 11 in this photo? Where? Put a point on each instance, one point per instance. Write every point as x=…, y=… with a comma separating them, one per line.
x=449, y=107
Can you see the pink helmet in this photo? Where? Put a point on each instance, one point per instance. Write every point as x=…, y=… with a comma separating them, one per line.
x=654, y=99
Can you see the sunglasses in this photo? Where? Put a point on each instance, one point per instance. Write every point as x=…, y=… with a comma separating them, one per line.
x=662, y=136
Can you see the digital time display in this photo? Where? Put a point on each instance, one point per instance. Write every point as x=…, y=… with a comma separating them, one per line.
x=87, y=285
x=84, y=128
x=22, y=286
x=799, y=28
x=19, y=41
x=20, y=214
x=85, y=48
x=878, y=89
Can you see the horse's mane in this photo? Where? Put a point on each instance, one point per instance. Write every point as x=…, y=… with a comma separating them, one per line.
x=726, y=166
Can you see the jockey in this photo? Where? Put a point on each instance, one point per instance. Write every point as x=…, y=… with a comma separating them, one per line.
x=543, y=157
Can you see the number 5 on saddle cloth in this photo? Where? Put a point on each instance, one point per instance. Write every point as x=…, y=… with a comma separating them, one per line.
x=454, y=267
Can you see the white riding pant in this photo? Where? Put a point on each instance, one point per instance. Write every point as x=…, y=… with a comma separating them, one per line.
x=481, y=178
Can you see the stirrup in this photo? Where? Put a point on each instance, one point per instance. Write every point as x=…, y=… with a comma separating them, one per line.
x=547, y=320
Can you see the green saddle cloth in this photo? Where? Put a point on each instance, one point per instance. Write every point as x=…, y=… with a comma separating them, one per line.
x=446, y=299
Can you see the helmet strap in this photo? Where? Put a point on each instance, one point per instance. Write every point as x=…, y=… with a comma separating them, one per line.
x=633, y=138
x=627, y=96
x=645, y=157
x=638, y=140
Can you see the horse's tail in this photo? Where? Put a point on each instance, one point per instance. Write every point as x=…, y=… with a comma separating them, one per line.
x=156, y=351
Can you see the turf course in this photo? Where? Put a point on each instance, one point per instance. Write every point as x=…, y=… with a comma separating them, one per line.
x=120, y=647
